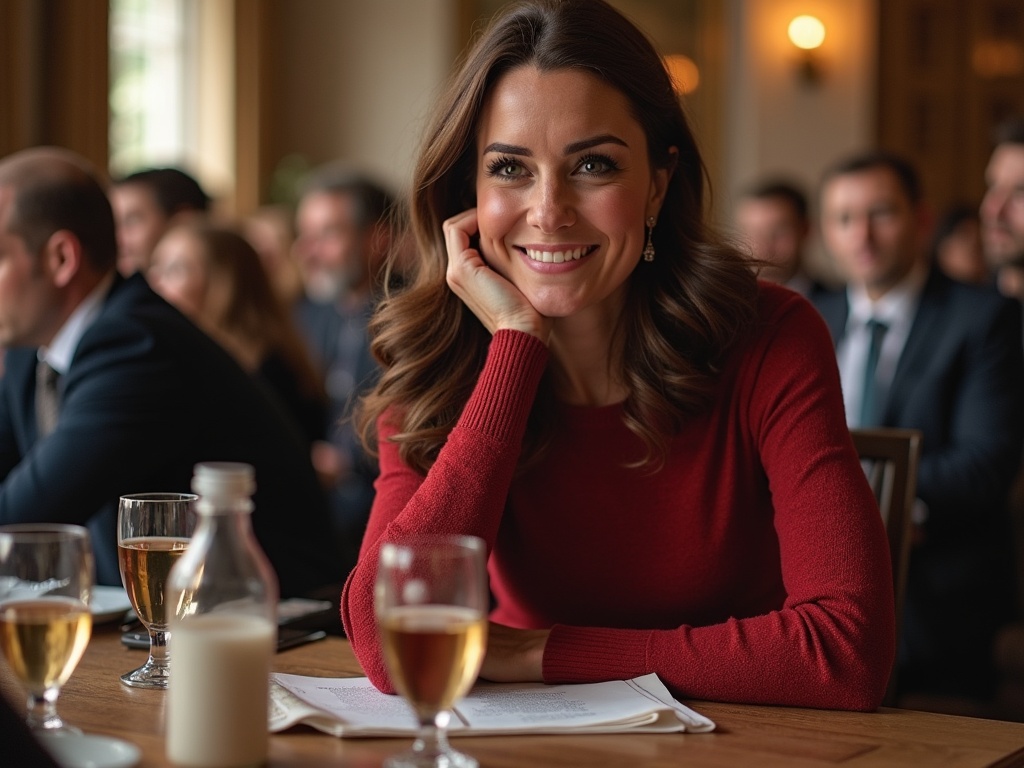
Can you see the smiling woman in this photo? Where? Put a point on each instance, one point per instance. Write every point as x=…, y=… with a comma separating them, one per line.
x=581, y=373
x=564, y=172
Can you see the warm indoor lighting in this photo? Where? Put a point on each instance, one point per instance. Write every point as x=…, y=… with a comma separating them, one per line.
x=684, y=73
x=807, y=32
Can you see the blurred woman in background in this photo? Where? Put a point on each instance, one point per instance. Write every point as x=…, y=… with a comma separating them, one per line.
x=215, y=277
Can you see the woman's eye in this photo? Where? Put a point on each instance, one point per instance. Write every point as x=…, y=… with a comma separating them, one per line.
x=597, y=164
x=504, y=167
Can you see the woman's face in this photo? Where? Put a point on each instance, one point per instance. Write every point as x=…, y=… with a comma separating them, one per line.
x=178, y=272
x=564, y=186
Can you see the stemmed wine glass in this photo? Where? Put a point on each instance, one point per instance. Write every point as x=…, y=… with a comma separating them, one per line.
x=46, y=576
x=431, y=605
x=153, y=530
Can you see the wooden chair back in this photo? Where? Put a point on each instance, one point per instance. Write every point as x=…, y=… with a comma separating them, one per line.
x=890, y=457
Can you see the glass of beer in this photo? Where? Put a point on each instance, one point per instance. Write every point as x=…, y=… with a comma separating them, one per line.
x=46, y=575
x=431, y=604
x=153, y=530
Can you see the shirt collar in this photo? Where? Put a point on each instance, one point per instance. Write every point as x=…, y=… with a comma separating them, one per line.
x=896, y=305
x=62, y=349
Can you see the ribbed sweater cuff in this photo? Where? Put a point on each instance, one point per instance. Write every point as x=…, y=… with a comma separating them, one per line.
x=587, y=654
x=508, y=383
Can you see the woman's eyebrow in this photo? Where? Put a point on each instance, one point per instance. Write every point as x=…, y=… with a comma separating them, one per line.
x=507, y=149
x=605, y=138
x=570, y=149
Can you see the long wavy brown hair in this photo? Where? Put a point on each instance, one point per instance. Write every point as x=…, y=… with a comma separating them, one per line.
x=684, y=311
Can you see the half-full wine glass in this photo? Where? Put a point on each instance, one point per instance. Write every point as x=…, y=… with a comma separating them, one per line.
x=431, y=606
x=153, y=530
x=46, y=575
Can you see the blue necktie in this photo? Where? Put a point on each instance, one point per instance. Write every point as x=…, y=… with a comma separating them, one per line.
x=869, y=404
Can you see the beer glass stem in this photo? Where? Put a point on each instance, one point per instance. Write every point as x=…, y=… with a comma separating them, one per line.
x=432, y=740
x=431, y=748
x=42, y=711
x=158, y=656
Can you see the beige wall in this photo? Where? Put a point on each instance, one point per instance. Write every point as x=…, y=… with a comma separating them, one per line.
x=358, y=78
x=777, y=124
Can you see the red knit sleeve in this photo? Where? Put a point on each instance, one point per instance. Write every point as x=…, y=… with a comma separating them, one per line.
x=831, y=642
x=464, y=492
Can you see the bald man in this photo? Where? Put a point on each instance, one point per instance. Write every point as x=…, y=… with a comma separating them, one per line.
x=109, y=390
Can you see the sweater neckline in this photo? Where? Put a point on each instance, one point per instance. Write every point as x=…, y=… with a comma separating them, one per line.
x=593, y=415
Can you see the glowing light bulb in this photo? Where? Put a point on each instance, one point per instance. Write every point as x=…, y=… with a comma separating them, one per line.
x=807, y=32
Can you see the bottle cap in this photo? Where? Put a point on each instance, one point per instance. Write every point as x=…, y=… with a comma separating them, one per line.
x=224, y=479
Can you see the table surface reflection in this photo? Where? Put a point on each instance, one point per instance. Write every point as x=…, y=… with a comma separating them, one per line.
x=96, y=701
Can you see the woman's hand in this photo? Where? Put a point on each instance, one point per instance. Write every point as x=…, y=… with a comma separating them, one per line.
x=494, y=300
x=514, y=655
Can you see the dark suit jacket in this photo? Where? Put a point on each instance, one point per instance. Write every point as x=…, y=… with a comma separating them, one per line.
x=146, y=397
x=960, y=380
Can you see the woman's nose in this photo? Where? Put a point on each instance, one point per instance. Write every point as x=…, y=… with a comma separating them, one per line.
x=551, y=206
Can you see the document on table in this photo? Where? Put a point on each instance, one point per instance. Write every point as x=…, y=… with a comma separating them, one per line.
x=352, y=707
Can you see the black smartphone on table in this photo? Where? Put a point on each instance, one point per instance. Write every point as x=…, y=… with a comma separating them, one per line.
x=299, y=620
x=287, y=637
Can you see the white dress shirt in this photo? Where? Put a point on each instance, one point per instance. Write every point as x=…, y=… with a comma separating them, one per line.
x=896, y=309
x=62, y=349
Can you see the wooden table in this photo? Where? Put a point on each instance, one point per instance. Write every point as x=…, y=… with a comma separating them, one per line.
x=768, y=737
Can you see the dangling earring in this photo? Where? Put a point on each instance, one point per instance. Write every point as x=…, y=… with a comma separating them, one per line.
x=649, y=248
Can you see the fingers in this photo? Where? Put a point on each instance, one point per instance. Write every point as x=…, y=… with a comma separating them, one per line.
x=462, y=257
x=458, y=234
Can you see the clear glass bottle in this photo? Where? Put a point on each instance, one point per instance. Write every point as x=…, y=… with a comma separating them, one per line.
x=224, y=629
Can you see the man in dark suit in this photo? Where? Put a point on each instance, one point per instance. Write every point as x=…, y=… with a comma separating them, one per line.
x=142, y=395
x=918, y=350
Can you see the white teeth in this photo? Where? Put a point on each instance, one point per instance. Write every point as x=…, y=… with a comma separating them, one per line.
x=555, y=257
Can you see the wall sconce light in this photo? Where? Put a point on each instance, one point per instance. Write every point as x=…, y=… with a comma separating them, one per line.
x=807, y=33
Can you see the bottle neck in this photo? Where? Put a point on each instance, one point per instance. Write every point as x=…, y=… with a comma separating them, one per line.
x=240, y=506
x=224, y=564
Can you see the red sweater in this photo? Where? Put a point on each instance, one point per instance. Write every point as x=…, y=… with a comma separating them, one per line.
x=752, y=568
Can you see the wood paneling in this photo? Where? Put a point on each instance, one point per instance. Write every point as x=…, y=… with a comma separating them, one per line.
x=254, y=99
x=54, y=76
x=949, y=70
